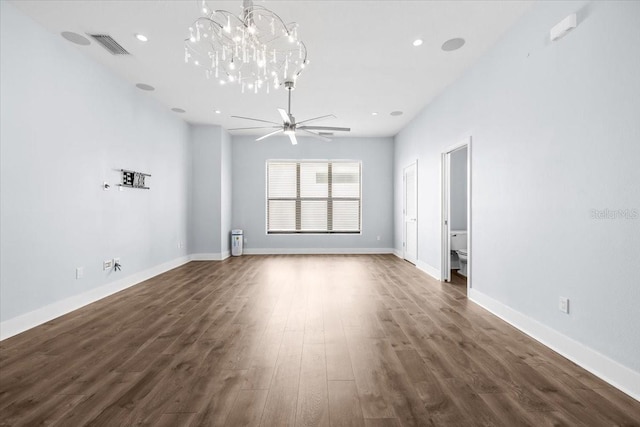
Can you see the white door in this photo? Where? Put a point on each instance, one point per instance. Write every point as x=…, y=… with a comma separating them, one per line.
x=410, y=248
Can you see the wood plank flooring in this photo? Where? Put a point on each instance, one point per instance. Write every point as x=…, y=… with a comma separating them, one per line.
x=352, y=340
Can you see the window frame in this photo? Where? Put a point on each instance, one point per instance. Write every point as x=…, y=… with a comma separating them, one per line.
x=329, y=199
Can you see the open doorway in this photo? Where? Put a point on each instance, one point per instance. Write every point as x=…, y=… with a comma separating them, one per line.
x=456, y=214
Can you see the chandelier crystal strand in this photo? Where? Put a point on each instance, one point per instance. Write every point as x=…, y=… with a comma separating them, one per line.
x=250, y=49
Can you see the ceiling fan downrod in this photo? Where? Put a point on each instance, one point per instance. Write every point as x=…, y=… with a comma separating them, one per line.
x=289, y=85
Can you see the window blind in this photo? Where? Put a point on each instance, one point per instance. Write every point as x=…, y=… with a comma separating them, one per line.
x=313, y=197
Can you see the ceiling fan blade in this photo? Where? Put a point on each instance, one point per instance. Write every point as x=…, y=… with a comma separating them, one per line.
x=317, y=118
x=324, y=128
x=256, y=127
x=315, y=135
x=256, y=120
x=284, y=115
x=269, y=134
x=292, y=137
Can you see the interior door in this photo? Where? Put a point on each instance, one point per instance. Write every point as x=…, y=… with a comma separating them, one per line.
x=410, y=210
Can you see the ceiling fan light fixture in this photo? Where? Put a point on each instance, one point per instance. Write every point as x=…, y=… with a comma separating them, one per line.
x=249, y=48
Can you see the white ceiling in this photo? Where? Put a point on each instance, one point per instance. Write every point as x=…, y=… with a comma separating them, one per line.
x=361, y=52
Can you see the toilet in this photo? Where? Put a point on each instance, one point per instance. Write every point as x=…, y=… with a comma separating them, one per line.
x=459, y=250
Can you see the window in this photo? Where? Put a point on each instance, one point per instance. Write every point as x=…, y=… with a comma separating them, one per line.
x=313, y=197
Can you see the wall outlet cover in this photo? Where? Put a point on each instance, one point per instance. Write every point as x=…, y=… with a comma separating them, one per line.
x=108, y=264
x=564, y=305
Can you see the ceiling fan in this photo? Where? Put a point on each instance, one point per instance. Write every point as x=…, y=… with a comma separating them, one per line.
x=289, y=125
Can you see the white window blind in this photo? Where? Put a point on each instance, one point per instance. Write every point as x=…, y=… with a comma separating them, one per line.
x=313, y=197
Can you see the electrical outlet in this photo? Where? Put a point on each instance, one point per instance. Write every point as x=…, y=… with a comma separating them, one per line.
x=378, y=238
x=79, y=272
x=116, y=261
x=564, y=305
x=107, y=265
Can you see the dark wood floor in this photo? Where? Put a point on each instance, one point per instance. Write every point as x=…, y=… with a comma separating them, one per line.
x=295, y=340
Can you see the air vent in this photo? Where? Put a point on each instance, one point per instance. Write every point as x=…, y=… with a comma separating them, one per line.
x=110, y=44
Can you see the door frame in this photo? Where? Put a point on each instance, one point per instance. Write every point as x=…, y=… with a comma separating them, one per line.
x=404, y=208
x=445, y=204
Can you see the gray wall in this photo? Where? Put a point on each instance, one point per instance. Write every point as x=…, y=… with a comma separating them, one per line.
x=210, y=220
x=459, y=189
x=204, y=224
x=249, y=171
x=66, y=125
x=226, y=193
x=555, y=135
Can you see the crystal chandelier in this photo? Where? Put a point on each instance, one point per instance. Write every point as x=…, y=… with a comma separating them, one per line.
x=255, y=50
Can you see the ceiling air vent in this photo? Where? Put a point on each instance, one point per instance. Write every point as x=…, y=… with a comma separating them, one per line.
x=110, y=44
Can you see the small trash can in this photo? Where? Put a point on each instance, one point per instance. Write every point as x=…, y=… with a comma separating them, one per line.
x=236, y=242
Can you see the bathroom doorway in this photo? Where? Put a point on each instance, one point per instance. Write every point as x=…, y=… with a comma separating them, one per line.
x=456, y=214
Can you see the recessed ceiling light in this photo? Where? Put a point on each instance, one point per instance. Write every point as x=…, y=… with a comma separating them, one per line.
x=396, y=113
x=375, y=113
x=417, y=42
x=144, y=86
x=178, y=110
x=75, y=38
x=453, y=44
x=141, y=37
x=218, y=111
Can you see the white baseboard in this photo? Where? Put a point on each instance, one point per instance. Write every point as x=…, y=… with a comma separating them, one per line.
x=619, y=376
x=431, y=271
x=422, y=266
x=210, y=256
x=37, y=317
x=316, y=251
